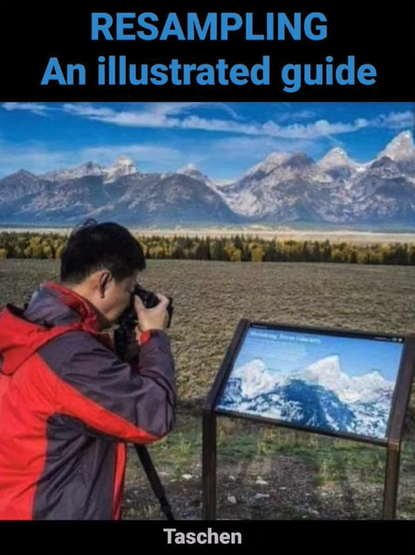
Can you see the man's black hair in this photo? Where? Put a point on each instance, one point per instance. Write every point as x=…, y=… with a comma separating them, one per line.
x=97, y=246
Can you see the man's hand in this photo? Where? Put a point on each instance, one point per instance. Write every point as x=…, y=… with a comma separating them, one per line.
x=155, y=318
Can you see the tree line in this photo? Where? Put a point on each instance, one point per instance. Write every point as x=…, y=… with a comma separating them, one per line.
x=235, y=248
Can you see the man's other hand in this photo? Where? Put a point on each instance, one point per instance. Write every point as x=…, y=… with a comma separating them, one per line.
x=155, y=318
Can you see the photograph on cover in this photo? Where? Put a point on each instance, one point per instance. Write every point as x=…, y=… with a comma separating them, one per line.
x=322, y=382
x=295, y=213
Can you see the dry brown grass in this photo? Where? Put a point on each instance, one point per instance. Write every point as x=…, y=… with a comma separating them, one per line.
x=308, y=477
x=211, y=297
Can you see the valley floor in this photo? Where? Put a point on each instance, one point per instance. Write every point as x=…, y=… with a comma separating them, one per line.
x=264, y=232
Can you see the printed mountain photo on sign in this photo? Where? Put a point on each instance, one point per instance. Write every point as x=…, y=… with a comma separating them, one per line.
x=327, y=383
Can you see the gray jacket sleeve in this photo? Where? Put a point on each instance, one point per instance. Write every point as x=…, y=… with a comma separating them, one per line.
x=111, y=397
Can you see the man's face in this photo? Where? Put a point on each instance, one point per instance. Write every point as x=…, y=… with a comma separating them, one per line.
x=117, y=297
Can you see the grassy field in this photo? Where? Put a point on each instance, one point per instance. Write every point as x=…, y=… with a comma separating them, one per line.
x=264, y=472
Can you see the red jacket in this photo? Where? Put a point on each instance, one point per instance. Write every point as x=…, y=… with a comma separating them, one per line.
x=68, y=406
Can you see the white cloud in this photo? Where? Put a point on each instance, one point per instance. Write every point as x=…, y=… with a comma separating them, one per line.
x=177, y=115
x=34, y=107
x=87, y=110
x=293, y=115
x=161, y=113
x=162, y=116
x=170, y=116
x=177, y=108
x=397, y=120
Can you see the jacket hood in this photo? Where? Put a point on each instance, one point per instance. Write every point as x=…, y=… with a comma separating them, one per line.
x=52, y=311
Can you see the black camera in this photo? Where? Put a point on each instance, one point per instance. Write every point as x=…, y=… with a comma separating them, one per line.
x=150, y=300
x=125, y=333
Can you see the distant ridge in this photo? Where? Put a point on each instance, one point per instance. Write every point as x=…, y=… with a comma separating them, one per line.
x=284, y=189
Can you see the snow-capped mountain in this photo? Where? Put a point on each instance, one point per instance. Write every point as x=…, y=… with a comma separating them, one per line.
x=122, y=166
x=191, y=171
x=119, y=192
x=269, y=164
x=287, y=188
x=363, y=389
x=88, y=169
x=255, y=379
x=400, y=148
x=337, y=158
x=283, y=189
x=320, y=396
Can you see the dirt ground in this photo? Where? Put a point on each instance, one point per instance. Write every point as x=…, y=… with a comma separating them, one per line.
x=278, y=487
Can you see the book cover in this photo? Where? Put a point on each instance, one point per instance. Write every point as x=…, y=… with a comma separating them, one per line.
x=264, y=157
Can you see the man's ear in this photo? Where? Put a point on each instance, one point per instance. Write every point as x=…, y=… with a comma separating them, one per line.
x=104, y=279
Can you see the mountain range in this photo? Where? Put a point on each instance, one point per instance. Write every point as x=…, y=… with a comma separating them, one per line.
x=320, y=396
x=284, y=189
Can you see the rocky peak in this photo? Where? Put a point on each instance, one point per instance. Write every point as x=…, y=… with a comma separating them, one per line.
x=335, y=158
x=401, y=148
x=121, y=167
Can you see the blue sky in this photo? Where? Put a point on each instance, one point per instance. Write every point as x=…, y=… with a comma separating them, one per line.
x=357, y=356
x=223, y=140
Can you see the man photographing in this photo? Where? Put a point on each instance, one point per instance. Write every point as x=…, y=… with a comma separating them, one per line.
x=68, y=404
